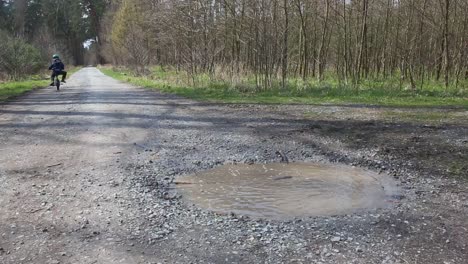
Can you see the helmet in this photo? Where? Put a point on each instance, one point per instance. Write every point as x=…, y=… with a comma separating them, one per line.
x=56, y=56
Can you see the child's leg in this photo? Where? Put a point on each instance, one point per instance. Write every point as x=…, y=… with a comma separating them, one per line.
x=52, y=78
x=64, y=75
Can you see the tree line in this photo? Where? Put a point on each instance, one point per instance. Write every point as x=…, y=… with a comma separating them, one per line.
x=414, y=42
x=32, y=30
x=350, y=40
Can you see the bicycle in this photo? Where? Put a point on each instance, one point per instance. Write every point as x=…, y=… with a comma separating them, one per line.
x=57, y=82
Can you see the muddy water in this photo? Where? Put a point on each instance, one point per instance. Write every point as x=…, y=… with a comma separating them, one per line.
x=281, y=191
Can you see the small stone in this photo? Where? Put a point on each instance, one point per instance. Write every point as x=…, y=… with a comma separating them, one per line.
x=335, y=239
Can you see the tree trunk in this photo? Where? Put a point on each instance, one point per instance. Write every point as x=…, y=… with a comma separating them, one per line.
x=285, y=45
x=321, y=57
x=446, y=45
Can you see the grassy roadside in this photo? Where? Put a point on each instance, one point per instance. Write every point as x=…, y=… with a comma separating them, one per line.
x=12, y=89
x=169, y=82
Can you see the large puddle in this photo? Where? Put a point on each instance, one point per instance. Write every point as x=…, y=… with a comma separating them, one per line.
x=280, y=191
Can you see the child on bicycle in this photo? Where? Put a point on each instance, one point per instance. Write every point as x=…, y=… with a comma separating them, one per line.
x=58, y=68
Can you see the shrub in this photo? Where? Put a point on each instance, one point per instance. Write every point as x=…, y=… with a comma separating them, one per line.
x=18, y=58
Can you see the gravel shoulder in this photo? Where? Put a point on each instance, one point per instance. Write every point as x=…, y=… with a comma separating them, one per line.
x=86, y=176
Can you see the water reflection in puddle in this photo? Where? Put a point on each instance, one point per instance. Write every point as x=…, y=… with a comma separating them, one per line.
x=281, y=191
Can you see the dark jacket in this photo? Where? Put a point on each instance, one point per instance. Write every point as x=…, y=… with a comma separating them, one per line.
x=57, y=65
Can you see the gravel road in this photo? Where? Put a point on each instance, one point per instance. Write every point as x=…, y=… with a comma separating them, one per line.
x=86, y=176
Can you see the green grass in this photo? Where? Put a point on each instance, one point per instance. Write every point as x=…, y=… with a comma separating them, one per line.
x=12, y=89
x=327, y=92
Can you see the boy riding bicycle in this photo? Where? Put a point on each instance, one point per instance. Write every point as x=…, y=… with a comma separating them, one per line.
x=58, y=68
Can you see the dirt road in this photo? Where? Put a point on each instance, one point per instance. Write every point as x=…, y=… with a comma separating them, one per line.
x=62, y=195
x=85, y=177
